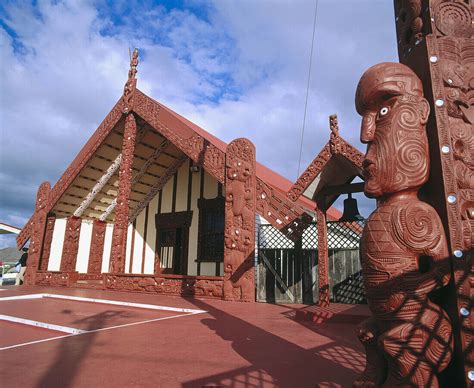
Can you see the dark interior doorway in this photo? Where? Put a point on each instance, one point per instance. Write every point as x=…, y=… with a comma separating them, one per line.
x=171, y=253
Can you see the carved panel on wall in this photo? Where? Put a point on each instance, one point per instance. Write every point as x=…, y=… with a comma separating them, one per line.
x=119, y=234
x=239, y=232
x=48, y=238
x=38, y=229
x=97, y=247
x=71, y=244
x=55, y=279
x=166, y=284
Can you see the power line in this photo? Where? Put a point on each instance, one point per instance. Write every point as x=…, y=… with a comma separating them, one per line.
x=307, y=88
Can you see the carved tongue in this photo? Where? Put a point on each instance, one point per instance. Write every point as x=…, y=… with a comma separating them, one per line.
x=468, y=113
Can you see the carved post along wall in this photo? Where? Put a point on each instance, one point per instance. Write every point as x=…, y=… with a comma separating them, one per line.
x=119, y=236
x=323, y=258
x=71, y=244
x=240, y=202
x=436, y=39
x=38, y=232
x=48, y=238
x=97, y=247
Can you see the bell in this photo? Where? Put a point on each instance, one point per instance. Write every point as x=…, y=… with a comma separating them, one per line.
x=351, y=211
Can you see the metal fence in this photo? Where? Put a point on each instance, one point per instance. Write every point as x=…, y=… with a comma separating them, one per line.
x=287, y=271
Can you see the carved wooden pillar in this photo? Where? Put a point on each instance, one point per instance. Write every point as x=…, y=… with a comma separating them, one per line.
x=48, y=238
x=38, y=232
x=323, y=259
x=239, y=249
x=71, y=244
x=97, y=247
x=436, y=40
x=119, y=237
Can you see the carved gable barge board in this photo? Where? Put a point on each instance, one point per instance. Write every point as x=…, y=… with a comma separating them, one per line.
x=78, y=163
x=284, y=214
x=332, y=148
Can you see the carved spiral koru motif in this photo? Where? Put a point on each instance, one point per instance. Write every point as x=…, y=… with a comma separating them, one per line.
x=454, y=19
x=415, y=227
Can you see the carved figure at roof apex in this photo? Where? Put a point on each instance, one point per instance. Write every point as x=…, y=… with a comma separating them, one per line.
x=131, y=84
x=133, y=64
x=335, y=143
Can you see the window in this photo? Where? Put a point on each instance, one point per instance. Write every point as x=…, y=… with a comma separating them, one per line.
x=211, y=230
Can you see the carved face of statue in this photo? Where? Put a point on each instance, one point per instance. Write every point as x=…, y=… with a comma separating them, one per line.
x=394, y=113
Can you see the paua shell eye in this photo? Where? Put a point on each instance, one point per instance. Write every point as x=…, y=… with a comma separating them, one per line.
x=383, y=111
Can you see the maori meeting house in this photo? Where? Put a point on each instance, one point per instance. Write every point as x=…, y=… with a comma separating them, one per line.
x=154, y=203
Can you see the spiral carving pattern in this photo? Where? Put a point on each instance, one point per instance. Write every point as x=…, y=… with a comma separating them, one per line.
x=454, y=19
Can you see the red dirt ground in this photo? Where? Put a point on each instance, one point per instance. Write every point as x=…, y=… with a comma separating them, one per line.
x=231, y=345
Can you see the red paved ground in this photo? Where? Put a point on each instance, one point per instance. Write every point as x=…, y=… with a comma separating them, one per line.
x=232, y=345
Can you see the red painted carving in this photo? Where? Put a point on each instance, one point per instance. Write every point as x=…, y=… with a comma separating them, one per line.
x=404, y=252
x=336, y=146
x=97, y=247
x=166, y=284
x=38, y=228
x=323, y=259
x=410, y=24
x=239, y=232
x=445, y=65
x=48, y=238
x=71, y=244
x=56, y=278
x=119, y=235
x=131, y=84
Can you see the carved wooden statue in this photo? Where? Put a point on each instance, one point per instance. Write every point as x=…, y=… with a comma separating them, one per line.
x=239, y=248
x=404, y=253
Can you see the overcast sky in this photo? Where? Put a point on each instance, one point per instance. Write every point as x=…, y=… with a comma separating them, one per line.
x=237, y=68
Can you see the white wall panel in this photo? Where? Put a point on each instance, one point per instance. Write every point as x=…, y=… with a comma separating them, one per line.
x=138, y=243
x=167, y=196
x=107, y=247
x=182, y=188
x=151, y=237
x=57, y=244
x=129, y=248
x=85, y=238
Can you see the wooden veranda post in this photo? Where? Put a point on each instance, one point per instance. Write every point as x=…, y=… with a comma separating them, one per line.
x=323, y=258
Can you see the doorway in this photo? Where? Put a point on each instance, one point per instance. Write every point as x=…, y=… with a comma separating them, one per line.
x=171, y=251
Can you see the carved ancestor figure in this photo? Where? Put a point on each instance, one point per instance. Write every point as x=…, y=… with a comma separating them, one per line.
x=239, y=233
x=403, y=247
